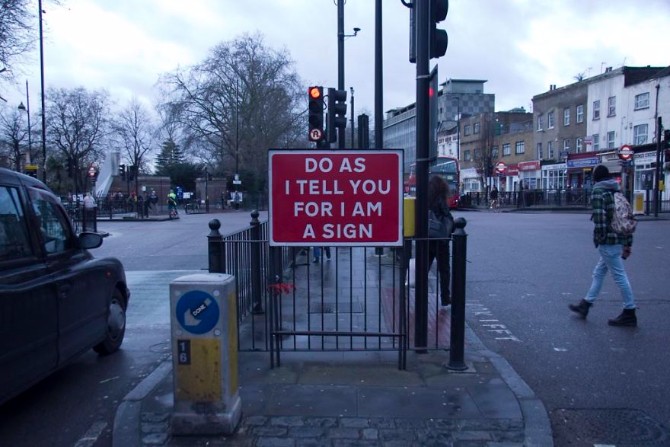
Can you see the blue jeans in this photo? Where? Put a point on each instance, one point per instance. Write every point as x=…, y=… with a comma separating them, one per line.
x=610, y=259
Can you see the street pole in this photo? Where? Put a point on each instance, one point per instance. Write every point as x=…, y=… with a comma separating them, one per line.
x=379, y=88
x=340, y=64
x=422, y=14
x=44, y=126
x=657, y=179
x=352, y=117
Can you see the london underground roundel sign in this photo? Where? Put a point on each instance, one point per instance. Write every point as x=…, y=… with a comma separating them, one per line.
x=626, y=153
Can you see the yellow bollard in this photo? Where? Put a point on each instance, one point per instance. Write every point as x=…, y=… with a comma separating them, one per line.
x=409, y=212
x=204, y=355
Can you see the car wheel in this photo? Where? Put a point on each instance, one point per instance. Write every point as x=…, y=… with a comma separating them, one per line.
x=116, y=326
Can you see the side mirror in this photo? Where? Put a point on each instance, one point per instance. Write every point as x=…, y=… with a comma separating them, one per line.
x=89, y=240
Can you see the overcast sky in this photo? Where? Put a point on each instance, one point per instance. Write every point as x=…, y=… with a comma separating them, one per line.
x=519, y=47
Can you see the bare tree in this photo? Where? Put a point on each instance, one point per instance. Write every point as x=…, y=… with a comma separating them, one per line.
x=15, y=38
x=77, y=124
x=135, y=132
x=243, y=99
x=13, y=132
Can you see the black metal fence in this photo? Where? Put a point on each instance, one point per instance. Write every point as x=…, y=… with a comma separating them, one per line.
x=578, y=198
x=353, y=300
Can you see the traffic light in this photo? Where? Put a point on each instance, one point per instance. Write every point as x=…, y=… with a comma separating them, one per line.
x=337, y=112
x=132, y=172
x=122, y=171
x=315, y=110
x=438, y=40
x=666, y=138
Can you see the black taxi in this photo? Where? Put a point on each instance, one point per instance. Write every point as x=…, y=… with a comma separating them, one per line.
x=56, y=300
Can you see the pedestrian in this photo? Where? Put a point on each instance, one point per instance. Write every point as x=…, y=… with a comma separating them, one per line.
x=438, y=191
x=89, y=212
x=613, y=248
x=317, y=253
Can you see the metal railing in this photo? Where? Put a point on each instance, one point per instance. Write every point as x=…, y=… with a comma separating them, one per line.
x=354, y=301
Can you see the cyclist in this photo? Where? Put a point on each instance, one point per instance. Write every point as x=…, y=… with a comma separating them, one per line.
x=494, y=197
x=172, y=203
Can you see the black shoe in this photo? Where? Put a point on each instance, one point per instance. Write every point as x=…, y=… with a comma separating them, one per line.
x=625, y=318
x=582, y=308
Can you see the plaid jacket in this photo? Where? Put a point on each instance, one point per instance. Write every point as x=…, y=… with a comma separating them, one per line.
x=602, y=201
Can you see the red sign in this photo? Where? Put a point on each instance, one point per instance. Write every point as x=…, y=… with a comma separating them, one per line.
x=343, y=197
x=626, y=152
x=500, y=167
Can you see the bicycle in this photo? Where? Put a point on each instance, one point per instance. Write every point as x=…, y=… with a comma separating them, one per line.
x=172, y=210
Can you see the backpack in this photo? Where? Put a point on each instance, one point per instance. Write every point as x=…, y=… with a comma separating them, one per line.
x=623, y=220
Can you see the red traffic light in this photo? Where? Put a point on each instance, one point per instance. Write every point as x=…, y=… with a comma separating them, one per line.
x=315, y=92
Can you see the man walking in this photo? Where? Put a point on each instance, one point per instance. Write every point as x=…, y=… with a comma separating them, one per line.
x=613, y=248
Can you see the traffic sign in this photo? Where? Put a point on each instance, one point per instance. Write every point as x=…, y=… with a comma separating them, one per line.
x=315, y=134
x=500, y=167
x=626, y=152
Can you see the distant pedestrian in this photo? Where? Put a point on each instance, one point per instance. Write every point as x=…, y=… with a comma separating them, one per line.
x=493, y=195
x=438, y=191
x=613, y=248
x=317, y=253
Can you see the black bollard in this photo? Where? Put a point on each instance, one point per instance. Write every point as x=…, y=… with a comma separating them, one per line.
x=215, y=251
x=459, y=258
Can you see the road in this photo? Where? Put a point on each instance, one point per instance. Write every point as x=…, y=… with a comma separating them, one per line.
x=76, y=406
x=601, y=384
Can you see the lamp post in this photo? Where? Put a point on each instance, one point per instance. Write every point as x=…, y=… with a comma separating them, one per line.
x=26, y=108
x=44, y=126
x=340, y=60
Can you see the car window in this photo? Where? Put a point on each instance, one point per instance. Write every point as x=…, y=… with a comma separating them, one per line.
x=55, y=231
x=14, y=240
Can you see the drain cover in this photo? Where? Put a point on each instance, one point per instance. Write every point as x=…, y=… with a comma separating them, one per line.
x=619, y=426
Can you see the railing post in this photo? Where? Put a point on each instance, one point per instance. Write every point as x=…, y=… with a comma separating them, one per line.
x=256, y=268
x=215, y=249
x=457, y=343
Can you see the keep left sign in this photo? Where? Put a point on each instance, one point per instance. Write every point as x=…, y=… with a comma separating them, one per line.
x=336, y=197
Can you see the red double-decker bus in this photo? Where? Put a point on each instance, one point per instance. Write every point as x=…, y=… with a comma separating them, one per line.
x=445, y=167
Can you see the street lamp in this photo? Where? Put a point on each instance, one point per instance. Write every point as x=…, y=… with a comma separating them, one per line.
x=44, y=125
x=26, y=109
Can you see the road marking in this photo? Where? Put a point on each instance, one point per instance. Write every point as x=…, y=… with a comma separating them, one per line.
x=92, y=434
x=491, y=324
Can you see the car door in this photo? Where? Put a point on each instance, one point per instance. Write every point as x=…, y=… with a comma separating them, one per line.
x=79, y=284
x=28, y=304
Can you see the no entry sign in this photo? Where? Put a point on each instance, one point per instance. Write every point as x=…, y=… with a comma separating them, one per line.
x=336, y=197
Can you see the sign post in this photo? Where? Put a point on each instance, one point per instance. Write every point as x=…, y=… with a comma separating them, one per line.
x=331, y=198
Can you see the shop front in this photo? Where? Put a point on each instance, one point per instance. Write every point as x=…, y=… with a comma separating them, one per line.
x=580, y=167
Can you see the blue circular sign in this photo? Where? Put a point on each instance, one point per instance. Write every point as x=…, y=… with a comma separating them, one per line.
x=197, y=312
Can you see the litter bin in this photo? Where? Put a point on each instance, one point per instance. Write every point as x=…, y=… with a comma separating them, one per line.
x=204, y=355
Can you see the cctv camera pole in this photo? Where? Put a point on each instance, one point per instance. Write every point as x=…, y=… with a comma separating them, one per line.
x=340, y=64
x=422, y=153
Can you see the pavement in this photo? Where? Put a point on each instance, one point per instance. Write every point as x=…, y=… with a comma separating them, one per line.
x=354, y=399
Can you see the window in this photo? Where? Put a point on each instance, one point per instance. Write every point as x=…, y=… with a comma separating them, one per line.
x=642, y=101
x=520, y=147
x=506, y=150
x=596, y=142
x=550, y=150
x=467, y=129
x=466, y=155
x=640, y=133
x=476, y=128
x=538, y=150
x=610, y=139
x=580, y=113
x=596, y=110
x=566, y=145
x=539, y=122
x=14, y=240
x=494, y=152
x=566, y=117
x=550, y=120
x=52, y=222
x=611, y=106
x=578, y=145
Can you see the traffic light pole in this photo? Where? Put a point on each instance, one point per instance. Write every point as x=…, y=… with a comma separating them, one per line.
x=340, y=64
x=657, y=192
x=422, y=15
